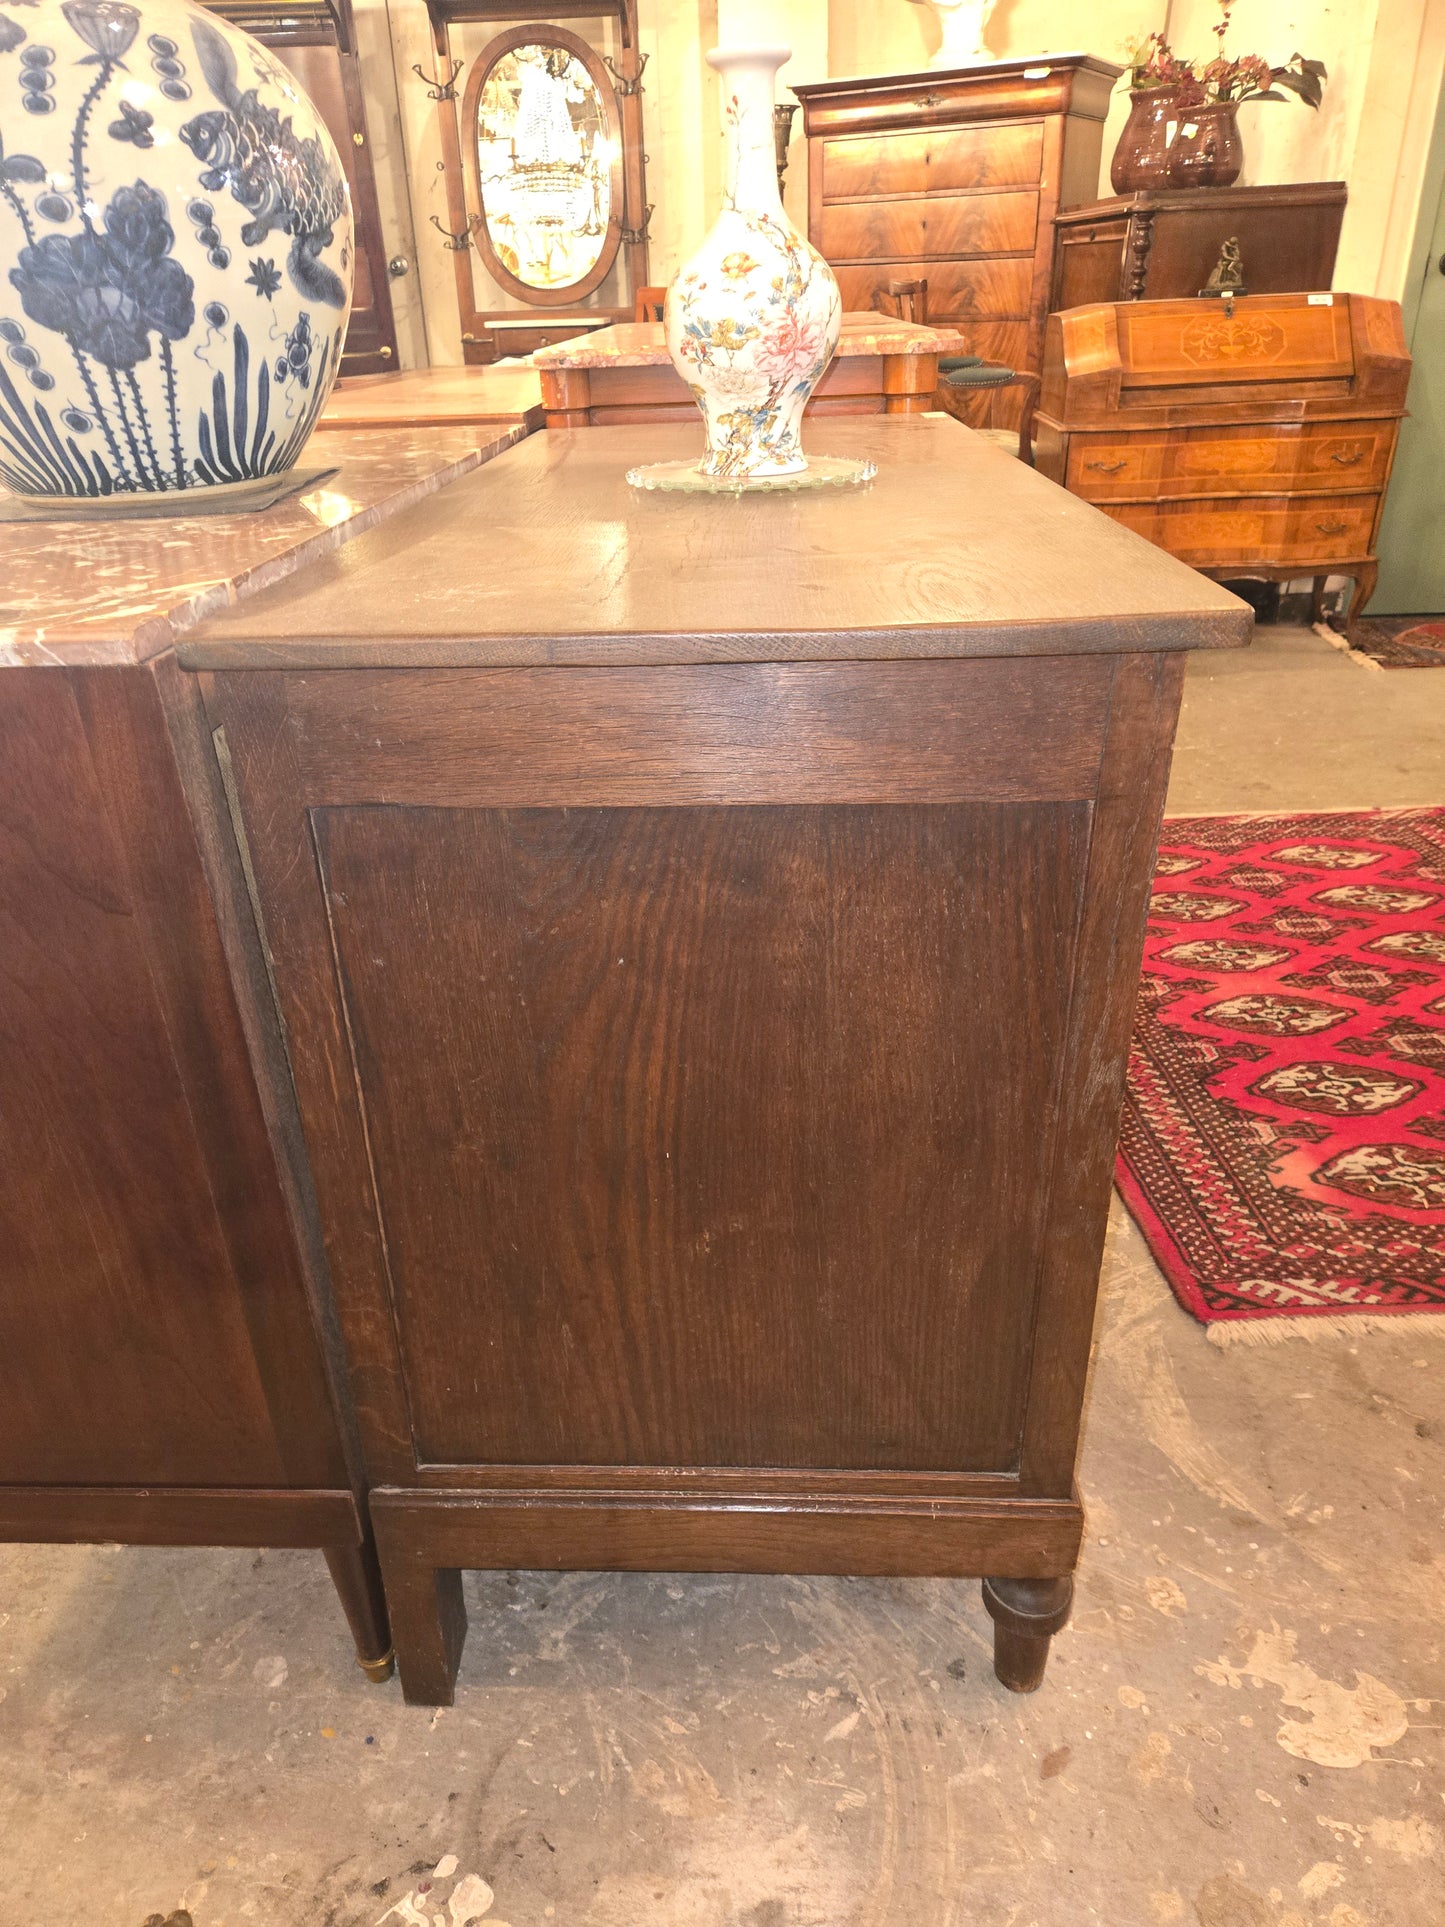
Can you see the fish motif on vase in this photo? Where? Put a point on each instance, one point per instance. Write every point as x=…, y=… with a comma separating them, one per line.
x=143, y=337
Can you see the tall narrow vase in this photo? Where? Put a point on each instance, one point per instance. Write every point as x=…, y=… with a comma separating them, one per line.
x=753, y=318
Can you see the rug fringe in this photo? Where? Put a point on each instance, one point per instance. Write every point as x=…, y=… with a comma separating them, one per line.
x=1226, y=1332
x=1342, y=643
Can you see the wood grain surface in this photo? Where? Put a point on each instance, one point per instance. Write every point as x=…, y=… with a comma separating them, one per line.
x=133, y=1279
x=955, y=549
x=742, y=1229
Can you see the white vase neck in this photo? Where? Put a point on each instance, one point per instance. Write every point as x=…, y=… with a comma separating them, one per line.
x=748, y=75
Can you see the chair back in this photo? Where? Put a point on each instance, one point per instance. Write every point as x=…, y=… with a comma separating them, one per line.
x=903, y=300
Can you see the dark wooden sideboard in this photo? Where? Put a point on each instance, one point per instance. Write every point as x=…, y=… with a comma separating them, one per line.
x=164, y=1379
x=955, y=177
x=167, y=1352
x=708, y=946
x=1164, y=245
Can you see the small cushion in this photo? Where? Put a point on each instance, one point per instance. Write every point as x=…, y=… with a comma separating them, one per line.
x=986, y=374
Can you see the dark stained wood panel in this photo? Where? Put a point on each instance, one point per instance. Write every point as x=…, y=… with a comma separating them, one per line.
x=933, y=161
x=117, y=1292
x=931, y=225
x=659, y=1219
x=720, y=733
x=1163, y=245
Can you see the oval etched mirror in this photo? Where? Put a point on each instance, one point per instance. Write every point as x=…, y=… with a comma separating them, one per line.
x=546, y=164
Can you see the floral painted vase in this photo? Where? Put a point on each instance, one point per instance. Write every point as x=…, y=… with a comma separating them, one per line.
x=753, y=318
x=175, y=252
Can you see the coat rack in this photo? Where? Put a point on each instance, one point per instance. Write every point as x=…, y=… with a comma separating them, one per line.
x=490, y=330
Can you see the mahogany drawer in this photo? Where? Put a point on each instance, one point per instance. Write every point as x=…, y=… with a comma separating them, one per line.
x=1208, y=461
x=957, y=290
x=997, y=340
x=871, y=231
x=933, y=160
x=1254, y=529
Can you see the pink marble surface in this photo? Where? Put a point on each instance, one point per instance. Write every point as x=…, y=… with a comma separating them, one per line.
x=641, y=344
x=95, y=593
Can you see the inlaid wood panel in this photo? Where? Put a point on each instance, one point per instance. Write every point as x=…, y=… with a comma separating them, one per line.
x=933, y=161
x=1203, y=461
x=1205, y=533
x=931, y=225
x=996, y=290
x=1163, y=344
x=739, y=1228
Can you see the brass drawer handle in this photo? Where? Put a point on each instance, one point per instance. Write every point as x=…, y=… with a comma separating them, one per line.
x=1108, y=468
x=1348, y=461
x=1332, y=528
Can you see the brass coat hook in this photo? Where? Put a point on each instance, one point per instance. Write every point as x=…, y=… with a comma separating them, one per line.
x=458, y=243
x=626, y=84
x=439, y=89
x=633, y=237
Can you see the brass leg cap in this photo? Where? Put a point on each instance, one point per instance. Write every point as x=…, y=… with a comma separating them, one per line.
x=378, y=1671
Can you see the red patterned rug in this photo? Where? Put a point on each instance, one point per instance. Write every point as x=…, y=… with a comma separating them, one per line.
x=1400, y=642
x=1283, y=1139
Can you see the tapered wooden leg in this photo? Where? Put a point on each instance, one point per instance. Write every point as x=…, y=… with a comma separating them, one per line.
x=1026, y=1613
x=428, y=1628
x=1317, y=598
x=357, y=1578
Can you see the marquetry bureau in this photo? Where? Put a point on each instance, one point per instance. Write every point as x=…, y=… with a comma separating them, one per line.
x=1250, y=437
x=706, y=932
x=954, y=178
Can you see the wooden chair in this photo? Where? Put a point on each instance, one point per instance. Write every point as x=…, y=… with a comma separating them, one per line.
x=648, y=304
x=962, y=375
x=903, y=301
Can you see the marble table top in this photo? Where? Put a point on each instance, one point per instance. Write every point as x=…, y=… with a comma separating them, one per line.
x=80, y=594
x=642, y=344
x=434, y=397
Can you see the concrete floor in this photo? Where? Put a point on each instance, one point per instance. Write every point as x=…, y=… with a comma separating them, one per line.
x=1241, y=1728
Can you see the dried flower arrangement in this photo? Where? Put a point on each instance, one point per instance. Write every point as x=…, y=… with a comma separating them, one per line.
x=1226, y=77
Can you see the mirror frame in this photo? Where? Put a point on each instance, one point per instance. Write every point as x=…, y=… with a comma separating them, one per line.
x=536, y=35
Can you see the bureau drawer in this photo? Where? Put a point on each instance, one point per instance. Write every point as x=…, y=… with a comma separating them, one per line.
x=931, y=225
x=1209, y=461
x=957, y=290
x=933, y=161
x=1264, y=529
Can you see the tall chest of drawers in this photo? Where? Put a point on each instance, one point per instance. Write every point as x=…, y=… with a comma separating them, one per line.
x=955, y=178
x=1249, y=438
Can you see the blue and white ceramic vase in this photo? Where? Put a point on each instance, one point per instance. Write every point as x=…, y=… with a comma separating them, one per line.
x=175, y=252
